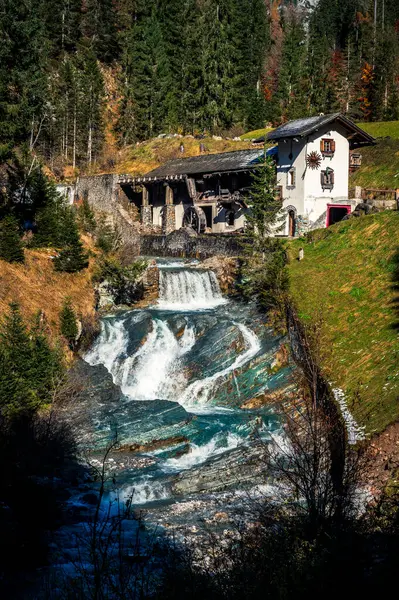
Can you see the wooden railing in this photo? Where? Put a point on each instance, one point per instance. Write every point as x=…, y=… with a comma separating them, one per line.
x=375, y=194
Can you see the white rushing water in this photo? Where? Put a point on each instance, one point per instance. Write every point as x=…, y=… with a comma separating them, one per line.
x=188, y=290
x=112, y=340
x=154, y=371
x=199, y=392
x=220, y=443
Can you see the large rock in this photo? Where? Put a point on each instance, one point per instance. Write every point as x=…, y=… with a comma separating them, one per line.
x=225, y=269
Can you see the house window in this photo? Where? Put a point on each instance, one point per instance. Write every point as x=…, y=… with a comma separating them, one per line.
x=327, y=147
x=230, y=217
x=327, y=179
x=291, y=178
x=355, y=160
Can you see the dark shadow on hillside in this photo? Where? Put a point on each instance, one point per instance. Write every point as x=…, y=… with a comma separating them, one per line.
x=38, y=463
x=395, y=288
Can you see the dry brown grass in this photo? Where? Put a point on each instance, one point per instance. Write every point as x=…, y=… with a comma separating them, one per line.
x=36, y=286
x=142, y=158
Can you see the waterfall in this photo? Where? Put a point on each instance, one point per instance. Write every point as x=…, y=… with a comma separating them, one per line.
x=199, y=393
x=189, y=290
x=153, y=372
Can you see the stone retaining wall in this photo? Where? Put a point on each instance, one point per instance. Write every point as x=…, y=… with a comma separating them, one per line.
x=185, y=243
x=105, y=195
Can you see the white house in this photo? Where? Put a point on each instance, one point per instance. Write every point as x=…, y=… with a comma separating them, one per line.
x=211, y=192
x=313, y=169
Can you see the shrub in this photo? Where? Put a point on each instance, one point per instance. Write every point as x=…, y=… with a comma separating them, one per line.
x=122, y=282
x=86, y=217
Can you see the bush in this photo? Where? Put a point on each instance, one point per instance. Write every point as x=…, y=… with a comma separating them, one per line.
x=108, y=238
x=122, y=282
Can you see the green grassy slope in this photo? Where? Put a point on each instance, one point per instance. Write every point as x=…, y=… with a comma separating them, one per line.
x=347, y=280
x=252, y=135
x=380, y=165
x=382, y=129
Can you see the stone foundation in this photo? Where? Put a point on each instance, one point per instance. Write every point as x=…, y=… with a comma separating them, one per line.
x=146, y=215
x=168, y=219
x=186, y=243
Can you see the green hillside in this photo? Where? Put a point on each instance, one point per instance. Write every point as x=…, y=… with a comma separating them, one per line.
x=382, y=129
x=349, y=280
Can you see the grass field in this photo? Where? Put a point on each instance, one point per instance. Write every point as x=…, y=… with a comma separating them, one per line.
x=349, y=281
x=251, y=135
x=382, y=129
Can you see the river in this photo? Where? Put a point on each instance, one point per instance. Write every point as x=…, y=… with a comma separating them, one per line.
x=182, y=371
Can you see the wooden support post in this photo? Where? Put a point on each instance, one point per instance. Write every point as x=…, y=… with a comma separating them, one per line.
x=144, y=196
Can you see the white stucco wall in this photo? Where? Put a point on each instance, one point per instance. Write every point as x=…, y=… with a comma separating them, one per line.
x=219, y=215
x=179, y=214
x=308, y=197
x=316, y=199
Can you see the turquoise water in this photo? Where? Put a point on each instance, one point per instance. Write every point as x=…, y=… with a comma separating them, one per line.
x=183, y=368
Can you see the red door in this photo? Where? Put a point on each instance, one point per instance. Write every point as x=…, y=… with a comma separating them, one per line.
x=336, y=212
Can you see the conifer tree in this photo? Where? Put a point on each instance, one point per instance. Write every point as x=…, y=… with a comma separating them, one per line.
x=192, y=71
x=251, y=37
x=264, y=271
x=73, y=257
x=29, y=366
x=218, y=56
x=47, y=367
x=99, y=27
x=51, y=220
x=11, y=248
x=16, y=360
x=86, y=217
x=292, y=95
x=265, y=217
x=68, y=323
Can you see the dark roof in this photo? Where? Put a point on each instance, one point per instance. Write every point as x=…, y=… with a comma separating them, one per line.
x=238, y=160
x=303, y=127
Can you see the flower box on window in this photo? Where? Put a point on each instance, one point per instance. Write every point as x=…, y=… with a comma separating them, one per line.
x=327, y=147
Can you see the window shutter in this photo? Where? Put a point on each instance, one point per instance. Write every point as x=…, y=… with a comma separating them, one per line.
x=332, y=145
x=322, y=178
x=322, y=146
x=332, y=177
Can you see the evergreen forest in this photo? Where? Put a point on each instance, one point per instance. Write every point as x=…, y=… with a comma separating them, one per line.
x=76, y=74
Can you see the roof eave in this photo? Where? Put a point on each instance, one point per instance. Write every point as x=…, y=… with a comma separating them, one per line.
x=368, y=139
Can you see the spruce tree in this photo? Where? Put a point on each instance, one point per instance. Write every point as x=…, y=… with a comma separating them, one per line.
x=68, y=323
x=265, y=215
x=264, y=272
x=11, y=248
x=86, y=217
x=51, y=219
x=72, y=257
x=47, y=364
x=16, y=392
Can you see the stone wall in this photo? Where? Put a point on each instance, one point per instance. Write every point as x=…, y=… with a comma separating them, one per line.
x=105, y=195
x=186, y=243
